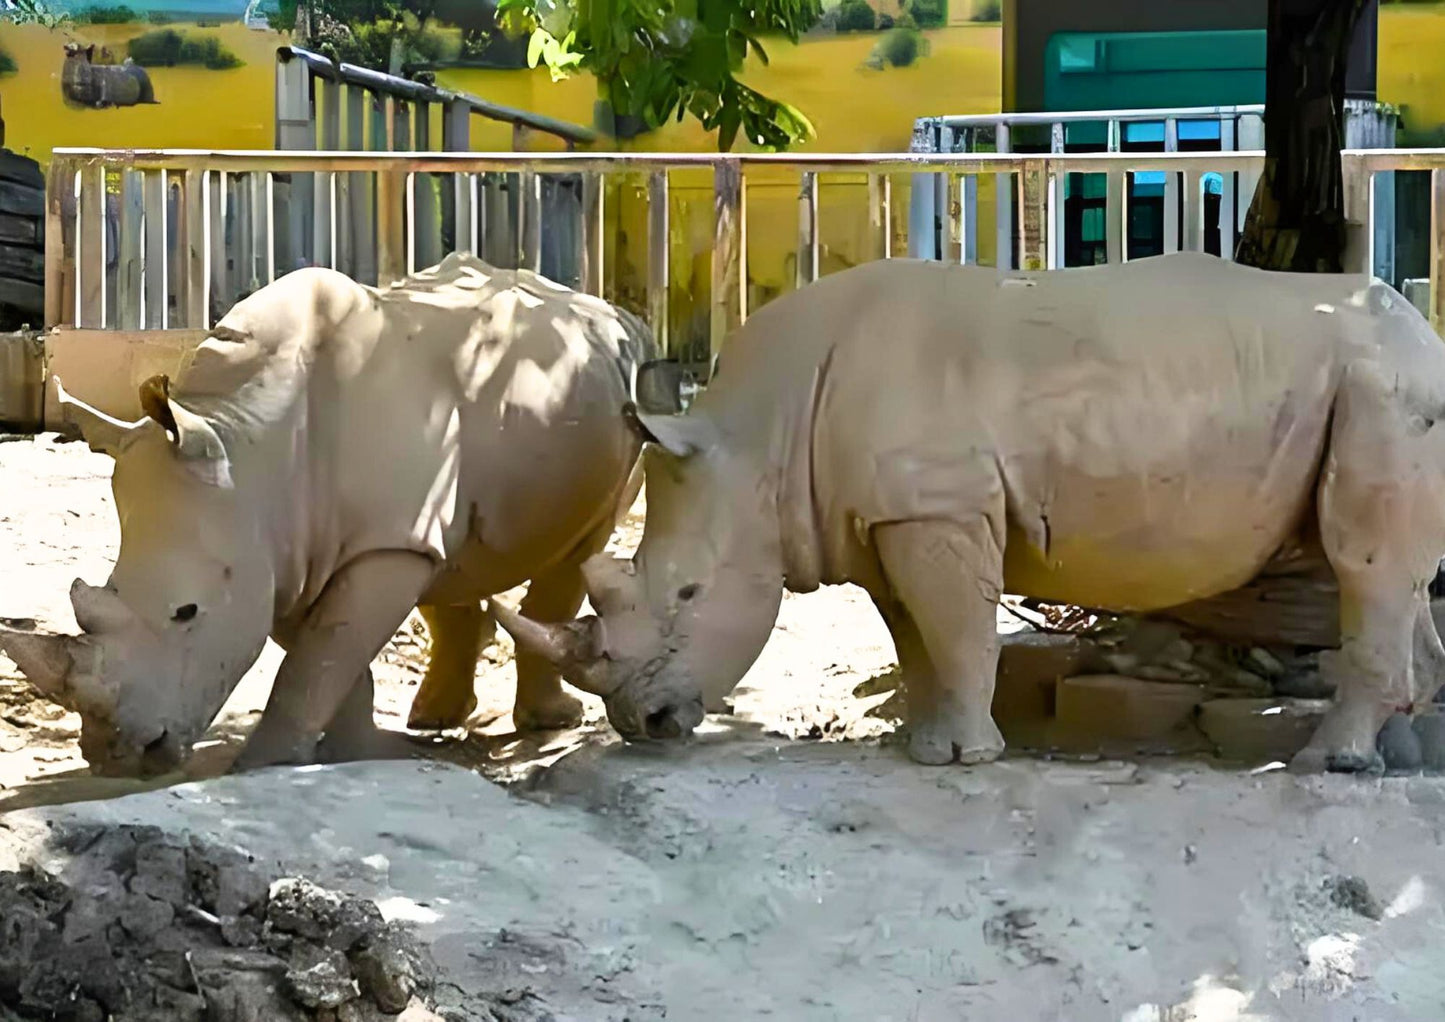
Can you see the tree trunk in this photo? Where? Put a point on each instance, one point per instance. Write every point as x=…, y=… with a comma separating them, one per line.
x=1296, y=221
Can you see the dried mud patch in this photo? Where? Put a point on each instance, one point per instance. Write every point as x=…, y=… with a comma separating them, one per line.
x=129, y=924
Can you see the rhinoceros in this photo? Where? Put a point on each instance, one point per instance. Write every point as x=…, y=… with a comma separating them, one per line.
x=1127, y=438
x=334, y=456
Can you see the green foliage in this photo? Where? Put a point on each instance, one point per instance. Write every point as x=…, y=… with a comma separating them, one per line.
x=165, y=47
x=989, y=11
x=900, y=47
x=35, y=12
x=656, y=59
x=856, y=16
x=158, y=17
x=102, y=15
x=929, y=13
x=7, y=64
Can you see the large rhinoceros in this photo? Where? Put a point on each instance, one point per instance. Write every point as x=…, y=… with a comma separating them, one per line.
x=1127, y=437
x=334, y=456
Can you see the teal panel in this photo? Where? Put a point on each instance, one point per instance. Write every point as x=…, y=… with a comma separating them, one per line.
x=1120, y=70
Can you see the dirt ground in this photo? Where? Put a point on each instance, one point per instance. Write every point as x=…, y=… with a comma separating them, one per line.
x=790, y=863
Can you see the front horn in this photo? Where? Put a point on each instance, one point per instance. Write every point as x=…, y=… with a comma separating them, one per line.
x=46, y=660
x=574, y=648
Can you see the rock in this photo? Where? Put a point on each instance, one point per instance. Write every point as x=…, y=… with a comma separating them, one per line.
x=1260, y=730
x=1266, y=662
x=1112, y=706
x=250, y=997
x=299, y=907
x=160, y=872
x=356, y=919
x=1430, y=731
x=1399, y=745
x=392, y=967
x=322, y=980
x=143, y=916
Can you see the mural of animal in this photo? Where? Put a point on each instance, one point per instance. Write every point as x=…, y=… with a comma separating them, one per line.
x=85, y=81
x=334, y=456
x=1126, y=437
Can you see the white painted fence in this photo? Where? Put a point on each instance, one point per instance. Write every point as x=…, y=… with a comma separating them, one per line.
x=169, y=239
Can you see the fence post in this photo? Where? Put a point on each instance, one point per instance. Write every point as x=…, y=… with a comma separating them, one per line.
x=1171, y=188
x=1033, y=215
x=730, y=255
x=1359, y=240
x=805, y=269
x=324, y=212
x=427, y=229
x=1004, y=203
x=657, y=256
x=1116, y=201
x=529, y=215
x=1228, y=192
x=1056, y=188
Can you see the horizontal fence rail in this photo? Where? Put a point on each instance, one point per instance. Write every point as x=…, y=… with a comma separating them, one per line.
x=164, y=239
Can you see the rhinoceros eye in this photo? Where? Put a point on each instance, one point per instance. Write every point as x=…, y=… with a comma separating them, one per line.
x=186, y=613
x=688, y=591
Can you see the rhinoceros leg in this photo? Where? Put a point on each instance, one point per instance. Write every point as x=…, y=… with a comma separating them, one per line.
x=352, y=733
x=1429, y=659
x=448, y=693
x=1381, y=523
x=357, y=614
x=554, y=596
x=947, y=578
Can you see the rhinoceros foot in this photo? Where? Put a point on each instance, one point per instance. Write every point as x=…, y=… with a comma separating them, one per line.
x=948, y=737
x=1344, y=743
x=555, y=711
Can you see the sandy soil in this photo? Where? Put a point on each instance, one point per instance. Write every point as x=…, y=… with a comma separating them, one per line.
x=762, y=873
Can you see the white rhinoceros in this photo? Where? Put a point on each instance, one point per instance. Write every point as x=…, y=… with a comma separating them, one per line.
x=334, y=456
x=1126, y=437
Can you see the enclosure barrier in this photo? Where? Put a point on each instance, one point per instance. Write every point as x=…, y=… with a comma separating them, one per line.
x=194, y=230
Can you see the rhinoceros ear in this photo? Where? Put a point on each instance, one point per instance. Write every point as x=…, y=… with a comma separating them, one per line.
x=680, y=435
x=196, y=440
x=103, y=433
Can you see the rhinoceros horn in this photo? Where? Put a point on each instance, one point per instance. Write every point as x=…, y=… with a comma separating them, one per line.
x=574, y=648
x=102, y=432
x=45, y=660
x=97, y=609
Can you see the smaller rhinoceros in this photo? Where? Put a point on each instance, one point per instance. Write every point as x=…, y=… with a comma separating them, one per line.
x=334, y=456
x=1127, y=438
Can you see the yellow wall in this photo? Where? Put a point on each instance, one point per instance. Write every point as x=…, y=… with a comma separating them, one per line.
x=854, y=109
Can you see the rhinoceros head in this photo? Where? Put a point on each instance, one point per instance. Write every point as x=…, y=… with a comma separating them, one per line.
x=188, y=605
x=679, y=624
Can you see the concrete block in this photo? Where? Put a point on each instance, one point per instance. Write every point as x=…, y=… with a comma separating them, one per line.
x=1112, y=707
x=1030, y=666
x=1260, y=730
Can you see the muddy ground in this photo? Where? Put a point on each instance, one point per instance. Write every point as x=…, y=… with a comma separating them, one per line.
x=790, y=863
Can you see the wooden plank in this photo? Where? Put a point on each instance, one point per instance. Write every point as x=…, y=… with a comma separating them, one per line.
x=129, y=281
x=157, y=312
x=221, y=294
x=324, y=183
x=880, y=226
x=1033, y=216
x=658, y=268
x=805, y=267
x=529, y=219
x=198, y=250
x=90, y=274
x=457, y=138
x=296, y=130
x=427, y=229
x=594, y=234
x=59, y=259
x=1004, y=207
x=1171, y=189
x=1437, y=250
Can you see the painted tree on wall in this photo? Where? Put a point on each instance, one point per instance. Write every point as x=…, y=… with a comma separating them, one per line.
x=1296, y=221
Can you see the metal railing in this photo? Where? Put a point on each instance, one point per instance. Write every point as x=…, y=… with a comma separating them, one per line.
x=195, y=229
